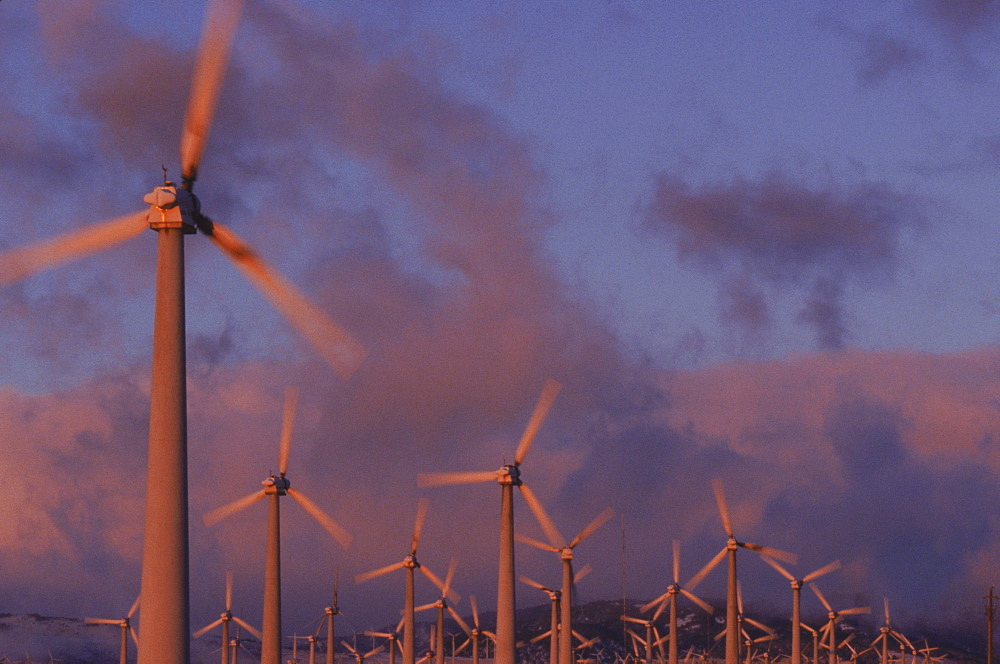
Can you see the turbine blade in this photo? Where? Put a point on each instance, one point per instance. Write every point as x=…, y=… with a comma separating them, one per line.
x=774, y=553
x=855, y=611
x=287, y=424
x=555, y=537
x=533, y=584
x=135, y=637
x=635, y=620
x=601, y=519
x=424, y=607
x=475, y=611
x=540, y=637
x=418, y=523
x=220, y=513
x=758, y=625
x=102, y=621
x=832, y=567
x=229, y=590
x=348, y=646
x=524, y=539
x=720, y=498
x=822, y=600
x=134, y=608
x=774, y=563
x=365, y=576
x=331, y=526
x=449, y=576
x=341, y=351
x=582, y=572
x=23, y=262
x=677, y=562
x=885, y=600
x=432, y=577
x=206, y=629
x=697, y=578
x=221, y=21
x=549, y=393
x=458, y=619
x=708, y=608
x=425, y=480
x=660, y=609
x=659, y=600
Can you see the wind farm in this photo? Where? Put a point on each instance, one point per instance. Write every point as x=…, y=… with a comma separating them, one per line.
x=669, y=266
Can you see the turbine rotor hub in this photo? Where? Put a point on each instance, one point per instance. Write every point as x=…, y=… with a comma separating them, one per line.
x=410, y=561
x=509, y=474
x=172, y=207
x=276, y=484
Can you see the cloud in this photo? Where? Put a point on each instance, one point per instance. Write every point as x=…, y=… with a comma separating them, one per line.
x=777, y=232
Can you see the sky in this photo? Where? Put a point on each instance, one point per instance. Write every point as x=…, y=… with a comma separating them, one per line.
x=751, y=240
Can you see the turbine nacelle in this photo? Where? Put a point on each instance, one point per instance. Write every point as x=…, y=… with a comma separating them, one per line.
x=276, y=484
x=566, y=553
x=509, y=474
x=410, y=561
x=171, y=207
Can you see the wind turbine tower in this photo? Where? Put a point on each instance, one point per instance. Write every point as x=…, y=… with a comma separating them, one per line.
x=796, y=611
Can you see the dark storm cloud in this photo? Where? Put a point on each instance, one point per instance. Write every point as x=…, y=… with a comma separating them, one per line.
x=778, y=232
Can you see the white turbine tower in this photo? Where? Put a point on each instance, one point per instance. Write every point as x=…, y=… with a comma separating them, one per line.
x=173, y=213
x=553, y=633
x=276, y=486
x=796, y=606
x=507, y=476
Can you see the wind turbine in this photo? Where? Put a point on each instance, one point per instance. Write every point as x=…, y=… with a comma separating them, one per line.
x=558, y=545
x=886, y=631
x=360, y=657
x=553, y=632
x=393, y=639
x=126, y=629
x=276, y=486
x=409, y=563
x=833, y=617
x=476, y=632
x=507, y=476
x=224, y=619
x=329, y=612
x=796, y=588
x=729, y=551
x=173, y=213
x=815, y=648
x=671, y=595
x=442, y=605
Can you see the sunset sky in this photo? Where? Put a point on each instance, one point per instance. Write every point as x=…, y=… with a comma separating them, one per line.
x=754, y=241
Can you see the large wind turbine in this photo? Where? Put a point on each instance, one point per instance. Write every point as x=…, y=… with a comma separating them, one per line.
x=833, y=618
x=125, y=625
x=796, y=588
x=558, y=545
x=224, y=619
x=729, y=551
x=507, y=476
x=392, y=638
x=409, y=563
x=671, y=596
x=175, y=212
x=276, y=486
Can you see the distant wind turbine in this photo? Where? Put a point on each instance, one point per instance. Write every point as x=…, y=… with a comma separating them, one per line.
x=276, y=486
x=127, y=630
x=409, y=563
x=796, y=588
x=833, y=618
x=729, y=551
x=671, y=597
x=224, y=620
x=507, y=476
